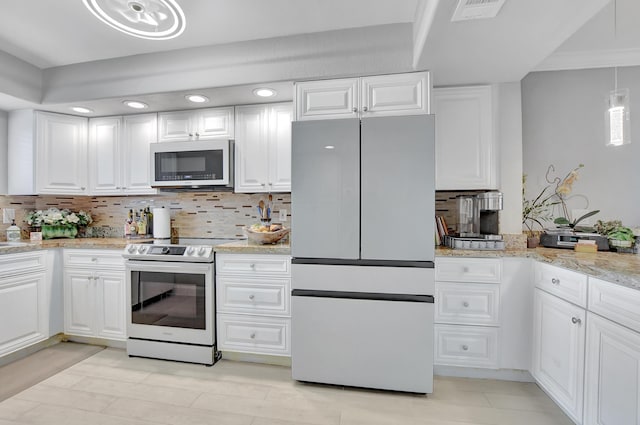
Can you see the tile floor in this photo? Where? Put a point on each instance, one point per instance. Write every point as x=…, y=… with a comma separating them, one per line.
x=111, y=388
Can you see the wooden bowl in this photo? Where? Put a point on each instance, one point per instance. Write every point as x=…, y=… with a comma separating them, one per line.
x=264, y=238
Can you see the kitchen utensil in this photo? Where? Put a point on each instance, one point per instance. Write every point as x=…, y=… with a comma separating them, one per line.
x=261, y=209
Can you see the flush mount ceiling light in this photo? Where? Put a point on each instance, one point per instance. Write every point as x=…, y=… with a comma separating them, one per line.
x=148, y=19
x=81, y=109
x=135, y=104
x=197, y=98
x=264, y=92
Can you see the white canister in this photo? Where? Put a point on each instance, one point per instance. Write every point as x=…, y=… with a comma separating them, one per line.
x=161, y=223
x=13, y=232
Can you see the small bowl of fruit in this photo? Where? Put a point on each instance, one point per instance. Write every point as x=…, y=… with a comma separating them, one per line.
x=265, y=233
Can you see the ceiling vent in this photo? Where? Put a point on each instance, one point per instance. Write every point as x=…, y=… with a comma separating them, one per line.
x=476, y=9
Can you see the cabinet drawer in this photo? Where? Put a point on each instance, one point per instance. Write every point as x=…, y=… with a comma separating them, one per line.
x=468, y=303
x=253, y=264
x=474, y=346
x=92, y=258
x=254, y=334
x=21, y=263
x=615, y=302
x=253, y=296
x=566, y=284
x=480, y=270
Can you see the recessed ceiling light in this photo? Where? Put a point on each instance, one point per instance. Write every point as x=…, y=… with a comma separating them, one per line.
x=264, y=92
x=197, y=98
x=135, y=104
x=81, y=109
x=329, y=147
x=148, y=19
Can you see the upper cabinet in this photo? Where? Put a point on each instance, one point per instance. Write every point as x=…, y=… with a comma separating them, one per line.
x=47, y=153
x=119, y=154
x=196, y=124
x=466, y=151
x=263, y=148
x=381, y=95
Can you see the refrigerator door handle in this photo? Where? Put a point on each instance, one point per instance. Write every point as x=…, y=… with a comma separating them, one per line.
x=375, y=296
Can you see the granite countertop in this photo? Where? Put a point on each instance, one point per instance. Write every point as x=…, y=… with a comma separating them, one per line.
x=623, y=269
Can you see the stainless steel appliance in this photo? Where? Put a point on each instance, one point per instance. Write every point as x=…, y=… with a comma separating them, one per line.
x=192, y=164
x=565, y=238
x=363, y=252
x=478, y=215
x=170, y=301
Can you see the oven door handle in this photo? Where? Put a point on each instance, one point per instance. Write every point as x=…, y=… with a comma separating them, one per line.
x=158, y=266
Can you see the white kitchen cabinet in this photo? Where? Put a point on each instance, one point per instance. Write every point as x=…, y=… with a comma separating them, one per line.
x=253, y=303
x=612, y=374
x=119, y=154
x=263, y=148
x=466, y=148
x=61, y=154
x=381, y=95
x=94, y=294
x=196, y=124
x=138, y=132
x=24, y=301
x=467, y=312
x=559, y=351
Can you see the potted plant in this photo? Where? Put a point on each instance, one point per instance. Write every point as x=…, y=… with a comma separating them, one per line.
x=562, y=190
x=621, y=238
x=536, y=211
x=57, y=223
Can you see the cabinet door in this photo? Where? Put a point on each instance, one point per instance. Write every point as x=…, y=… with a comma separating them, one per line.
x=558, y=351
x=216, y=123
x=138, y=132
x=175, y=126
x=280, y=147
x=110, y=306
x=398, y=94
x=465, y=146
x=61, y=145
x=79, y=302
x=252, y=161
x=105, y=135
x=327, y=99
x=23, y=311
x=612, y=382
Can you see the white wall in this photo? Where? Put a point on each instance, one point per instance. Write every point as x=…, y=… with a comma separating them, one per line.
x=3, y=152
x=563, y=125
x=508, y=113
x=19, y=78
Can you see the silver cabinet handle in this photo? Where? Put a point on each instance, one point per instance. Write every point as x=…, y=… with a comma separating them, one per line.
x=252, y=266
x=576, y=321
x=555, y=281
x=190, y=134
x=355, y=109
x=465, y=269
x=465, y=348
x=251, y=296
x=253, y=335
x=263, y=184
x=197, y=134
x=82, y=188
x=365, y=108
x=94, y=259
x=465, y=304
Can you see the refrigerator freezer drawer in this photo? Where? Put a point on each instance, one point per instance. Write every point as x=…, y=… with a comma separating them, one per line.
x=363, y=343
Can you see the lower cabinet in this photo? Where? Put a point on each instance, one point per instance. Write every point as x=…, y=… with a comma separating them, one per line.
x=24, y=305
x=94, y=294
x=558, y=351
x=253, y=306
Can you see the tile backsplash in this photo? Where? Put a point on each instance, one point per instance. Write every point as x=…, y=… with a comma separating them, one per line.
x=193, y=214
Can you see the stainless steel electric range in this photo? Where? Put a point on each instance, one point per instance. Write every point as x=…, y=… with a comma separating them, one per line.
x=171, y=300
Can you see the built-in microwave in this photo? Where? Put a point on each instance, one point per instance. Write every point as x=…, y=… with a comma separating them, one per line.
x=192, y=164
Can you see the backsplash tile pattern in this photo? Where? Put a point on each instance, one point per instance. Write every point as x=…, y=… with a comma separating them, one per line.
x=193, y=214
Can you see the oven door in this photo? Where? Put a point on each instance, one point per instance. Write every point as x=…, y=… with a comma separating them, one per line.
x=170, y=302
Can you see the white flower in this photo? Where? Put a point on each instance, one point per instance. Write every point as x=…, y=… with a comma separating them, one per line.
x=73, y=218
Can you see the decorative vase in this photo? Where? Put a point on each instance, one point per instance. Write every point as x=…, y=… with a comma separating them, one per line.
x=533, y=241
x=51, y=231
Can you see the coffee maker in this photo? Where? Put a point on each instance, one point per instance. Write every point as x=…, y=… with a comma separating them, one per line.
x=478, y=215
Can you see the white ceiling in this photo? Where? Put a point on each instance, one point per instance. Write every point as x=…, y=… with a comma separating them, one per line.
x=50, y=33
x=55, y=35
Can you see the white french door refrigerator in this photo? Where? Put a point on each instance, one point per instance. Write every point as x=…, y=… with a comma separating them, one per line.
x=363, y=249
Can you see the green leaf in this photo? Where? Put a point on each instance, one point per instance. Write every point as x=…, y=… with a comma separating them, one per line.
x=561, y=220
x=587, y=215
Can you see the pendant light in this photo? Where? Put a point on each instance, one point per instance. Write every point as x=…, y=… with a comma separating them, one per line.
x=618, y=113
